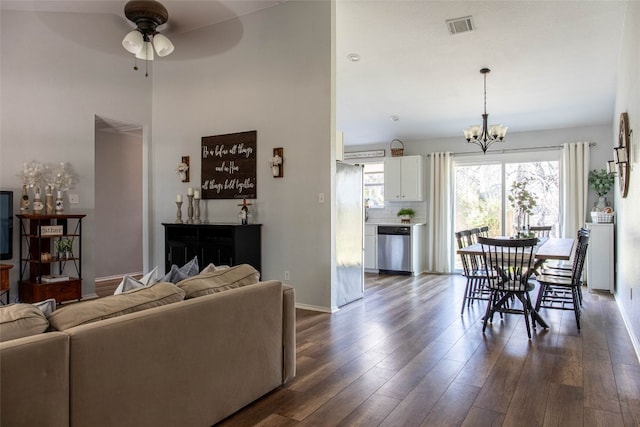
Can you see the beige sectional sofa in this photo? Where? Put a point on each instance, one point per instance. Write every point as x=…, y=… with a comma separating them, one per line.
x=187, y=363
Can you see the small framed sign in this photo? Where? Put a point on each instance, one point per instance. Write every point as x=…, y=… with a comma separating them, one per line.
x=51, y=230
x=364, y=154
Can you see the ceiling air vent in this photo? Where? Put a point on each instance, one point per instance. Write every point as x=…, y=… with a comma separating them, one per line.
x=460, y=25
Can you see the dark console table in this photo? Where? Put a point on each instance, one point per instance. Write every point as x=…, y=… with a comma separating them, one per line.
x=220, y=244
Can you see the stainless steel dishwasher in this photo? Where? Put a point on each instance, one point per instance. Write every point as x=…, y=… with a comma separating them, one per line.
x=394, y=249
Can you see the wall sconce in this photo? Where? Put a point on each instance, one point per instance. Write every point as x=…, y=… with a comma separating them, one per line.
x=276, y=163
x=611, y=167
x=183, y=169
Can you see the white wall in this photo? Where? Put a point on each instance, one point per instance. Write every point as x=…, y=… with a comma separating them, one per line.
x=52, y=87
x=275, y=78
x=628, y=227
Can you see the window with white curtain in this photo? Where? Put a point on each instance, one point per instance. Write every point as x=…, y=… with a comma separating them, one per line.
x=481, y=187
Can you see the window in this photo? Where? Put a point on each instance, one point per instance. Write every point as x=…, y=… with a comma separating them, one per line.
x=374, y=185
x=481, y=188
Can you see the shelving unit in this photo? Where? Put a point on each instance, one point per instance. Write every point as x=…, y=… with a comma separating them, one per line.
x=36, y=241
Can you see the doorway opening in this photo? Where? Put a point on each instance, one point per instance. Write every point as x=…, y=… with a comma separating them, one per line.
x=119, y=202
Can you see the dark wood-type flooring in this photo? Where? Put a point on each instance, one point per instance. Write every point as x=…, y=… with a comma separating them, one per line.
x=403, y=356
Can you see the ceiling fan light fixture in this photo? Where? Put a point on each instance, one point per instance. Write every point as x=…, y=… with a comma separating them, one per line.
x=146, y=52
x=133, y=42
x=163, y=45
x=147, y=15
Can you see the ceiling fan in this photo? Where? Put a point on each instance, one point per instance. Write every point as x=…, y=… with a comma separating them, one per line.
x=147, y=15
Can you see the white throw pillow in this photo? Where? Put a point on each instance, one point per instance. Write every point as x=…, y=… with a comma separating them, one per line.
x=47, y=306
x=128, y=283
x=151, y=277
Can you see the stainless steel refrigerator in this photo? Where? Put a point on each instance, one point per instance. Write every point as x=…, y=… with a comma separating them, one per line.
x=349, y=233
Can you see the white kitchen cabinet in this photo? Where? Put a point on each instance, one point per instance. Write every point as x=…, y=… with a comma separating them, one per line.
x=403, y=179
x=370, y=247
x=600, y=257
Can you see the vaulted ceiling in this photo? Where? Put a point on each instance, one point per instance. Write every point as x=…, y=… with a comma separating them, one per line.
x=553, y=63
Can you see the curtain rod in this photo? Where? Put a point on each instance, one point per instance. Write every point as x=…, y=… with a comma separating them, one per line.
x=514, y=150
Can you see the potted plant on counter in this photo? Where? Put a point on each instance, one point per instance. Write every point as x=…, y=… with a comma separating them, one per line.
x=405, y=215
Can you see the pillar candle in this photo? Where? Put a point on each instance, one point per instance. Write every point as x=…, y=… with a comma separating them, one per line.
x=179, y=198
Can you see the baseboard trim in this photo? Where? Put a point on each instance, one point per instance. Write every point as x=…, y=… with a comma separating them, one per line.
x=634, y=339
x=315, y=308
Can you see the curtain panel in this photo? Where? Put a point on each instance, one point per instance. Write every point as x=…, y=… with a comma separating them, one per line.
x=575, y=170
x=440, y=205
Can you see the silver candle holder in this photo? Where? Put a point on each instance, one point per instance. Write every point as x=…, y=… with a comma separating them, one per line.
x=190, y=209
x=196, y=219
x=179, y=213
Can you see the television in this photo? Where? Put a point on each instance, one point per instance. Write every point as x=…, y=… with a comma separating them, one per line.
x=6, y=225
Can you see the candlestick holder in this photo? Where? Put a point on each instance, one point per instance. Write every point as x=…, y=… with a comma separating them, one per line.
x=179, y=213
x=190, y=209
x=196, y=219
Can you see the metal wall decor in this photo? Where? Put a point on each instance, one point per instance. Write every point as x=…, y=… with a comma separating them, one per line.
x=622, y=154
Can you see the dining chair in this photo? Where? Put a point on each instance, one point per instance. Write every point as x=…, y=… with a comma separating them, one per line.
x=473, y=235
x=512, y=261
x=564, y=267
x=484, y=231
x=565, y=292
x=474, y=273
x=541, y=230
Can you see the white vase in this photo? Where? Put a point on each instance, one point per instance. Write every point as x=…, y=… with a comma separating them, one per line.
x=602, y=203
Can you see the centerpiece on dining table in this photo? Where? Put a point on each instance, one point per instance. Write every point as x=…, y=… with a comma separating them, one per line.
x=523, y=202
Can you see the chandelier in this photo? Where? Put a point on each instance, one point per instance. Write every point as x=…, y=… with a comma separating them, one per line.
x=147, y=15
x=485, y=135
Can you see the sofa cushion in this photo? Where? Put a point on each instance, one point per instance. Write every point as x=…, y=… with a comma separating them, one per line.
x=161, y=293
x=177, y=274
x=21, y=320
x=219, y=280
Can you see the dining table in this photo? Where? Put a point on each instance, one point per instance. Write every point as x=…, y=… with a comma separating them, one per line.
x=556, y=248
x=548, y=248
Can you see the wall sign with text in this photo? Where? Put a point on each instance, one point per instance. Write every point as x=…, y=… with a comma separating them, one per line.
x=229, y=166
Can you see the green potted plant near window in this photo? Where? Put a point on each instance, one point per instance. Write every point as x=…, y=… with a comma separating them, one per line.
x=405, y=215
x=522, y=201
x=601, y=181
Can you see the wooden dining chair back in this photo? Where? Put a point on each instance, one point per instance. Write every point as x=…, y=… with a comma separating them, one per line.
x=564, y=292
x=473, y=235
x=484, y=231
x=541, y=230
x=476, y=277
x=512, y=262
